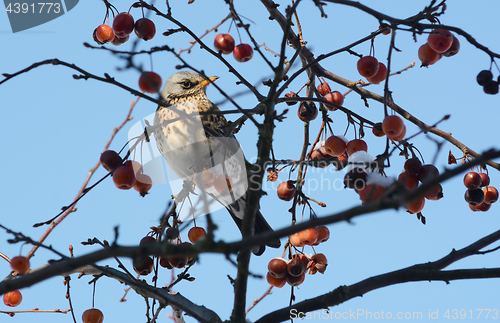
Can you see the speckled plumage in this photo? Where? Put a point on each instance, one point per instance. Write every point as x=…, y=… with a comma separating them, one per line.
x=190, y=150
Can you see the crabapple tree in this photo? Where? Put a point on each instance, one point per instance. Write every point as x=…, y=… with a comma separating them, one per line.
x=343, y=111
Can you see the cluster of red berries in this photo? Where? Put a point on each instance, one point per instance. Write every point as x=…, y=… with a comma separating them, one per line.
x=414, y=173
x=293, y=271
x=374, y=71
x=337, y=146
x=393, y=128
x=310, y=237
x=480, y=195
x=92, y=315
x=357, y=179
x=21, y=265
x=485, y=79
x=123, y=25
x=143, y=265
x=194, y=235
x=439, y=43
x=330, y=96
x=307, y=109
x=175, y=261
x=225, y=43
x=126, y=174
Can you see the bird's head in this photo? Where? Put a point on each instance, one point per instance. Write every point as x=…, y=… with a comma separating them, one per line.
x=185, y=84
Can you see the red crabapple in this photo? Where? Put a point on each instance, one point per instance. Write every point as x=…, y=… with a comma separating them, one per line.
x=146, y=240
x=410, y=181
x=491, y=87
x=276, y=282
x=380, y=76
x=334, y=97
x=323, y=234
x=277, y=267
x=427, y=55
x=356, y=145
x=485, y=179
x=355, y=178
x=472, y=180
x=440, y=40
x=393, y=126
x=295, y=267
x=286, y=190
x=324, y=88
x=416, y=205
x=413, y=165
x=143, y=184
x=295, y=240
x=104, y=34
x=368, y=66
x=20, y=264
x=123, y=24
x=224, y=43
x=370, y=193
x=145, y=29
x=110, y=160
x=12, y=298
x=242, y=53
x=295, y=280
x=124, y=177
x=483, y=207
x=335, y=146
x=427, y=172
x=150, y=82
x=454, y=49
x=474, y=197
x=435, y=193
x=484, y=77
x=196, y=233
x=490, y=194
x=92, y=315
x=143, y=265
x=308, y=236
x=307, y=111
x=117, y=41
x=377, y=130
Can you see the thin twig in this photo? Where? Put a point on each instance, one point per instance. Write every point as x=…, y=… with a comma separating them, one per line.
x=257, y=300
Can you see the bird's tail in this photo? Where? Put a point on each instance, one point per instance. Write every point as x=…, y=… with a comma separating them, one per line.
x=237, y=210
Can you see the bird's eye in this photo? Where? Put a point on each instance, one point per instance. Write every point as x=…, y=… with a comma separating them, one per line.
x=186, y=84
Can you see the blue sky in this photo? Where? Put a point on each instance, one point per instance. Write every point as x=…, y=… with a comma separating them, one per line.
x=54, y=129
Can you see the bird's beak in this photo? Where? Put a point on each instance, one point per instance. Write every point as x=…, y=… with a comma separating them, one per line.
x=207, y=82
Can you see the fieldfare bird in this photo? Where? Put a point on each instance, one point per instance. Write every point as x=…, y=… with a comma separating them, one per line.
x=197, y=148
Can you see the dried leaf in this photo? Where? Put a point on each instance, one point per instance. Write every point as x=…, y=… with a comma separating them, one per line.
x=451, y=159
